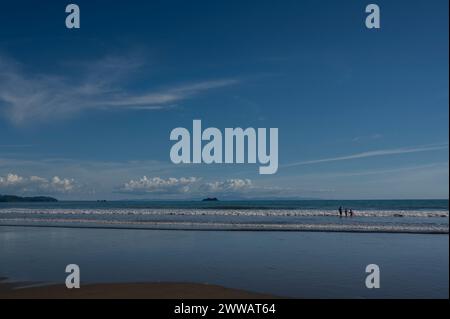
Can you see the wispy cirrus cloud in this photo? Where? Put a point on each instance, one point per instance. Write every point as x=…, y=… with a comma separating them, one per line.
x=371, y=137
x=382, y=152
x=26, y=96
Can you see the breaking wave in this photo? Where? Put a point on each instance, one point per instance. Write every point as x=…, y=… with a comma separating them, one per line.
x=382, y=221
x=229, y=212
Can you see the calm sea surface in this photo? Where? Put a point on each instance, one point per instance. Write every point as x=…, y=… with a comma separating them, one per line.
x=305, y=250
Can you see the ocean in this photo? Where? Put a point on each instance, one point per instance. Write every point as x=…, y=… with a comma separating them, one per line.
x=296, y=249
x=394, y=216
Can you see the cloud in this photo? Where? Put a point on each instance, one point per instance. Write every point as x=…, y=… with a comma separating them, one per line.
x=100, y=85
x=13, y=183
x=384, y=152
x=185, y=185
x=158, y=185
x=195, y=187
x=375, y=136
x=432, y=166
x=230, y=185
x=158, y=100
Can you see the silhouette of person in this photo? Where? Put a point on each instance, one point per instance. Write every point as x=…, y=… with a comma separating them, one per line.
x=346, y=212
x=340, y=211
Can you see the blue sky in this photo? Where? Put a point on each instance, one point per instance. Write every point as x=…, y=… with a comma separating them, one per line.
x=86, y=114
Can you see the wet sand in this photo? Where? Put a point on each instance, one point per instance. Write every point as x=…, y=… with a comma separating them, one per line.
x=286, y=264
x=127, y=291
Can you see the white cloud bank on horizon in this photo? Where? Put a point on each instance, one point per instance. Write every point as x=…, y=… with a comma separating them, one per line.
x=229, y=185
x=194, y=186
x=26, y=97
x=15, y=184
x=158, y=185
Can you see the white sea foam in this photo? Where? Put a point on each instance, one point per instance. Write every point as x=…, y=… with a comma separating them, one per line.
x=184, y=225
x=223, y=212
x=232, y=219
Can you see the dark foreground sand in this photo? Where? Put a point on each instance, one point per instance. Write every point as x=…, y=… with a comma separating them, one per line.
x=127, y=291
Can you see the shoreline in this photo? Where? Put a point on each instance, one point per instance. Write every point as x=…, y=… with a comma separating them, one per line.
x=156, y=290
x=242, y=229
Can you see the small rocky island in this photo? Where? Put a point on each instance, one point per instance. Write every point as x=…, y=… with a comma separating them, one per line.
x=19, y=199
x=210, y=199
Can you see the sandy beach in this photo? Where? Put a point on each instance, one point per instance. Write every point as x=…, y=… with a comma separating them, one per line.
x=127, y=291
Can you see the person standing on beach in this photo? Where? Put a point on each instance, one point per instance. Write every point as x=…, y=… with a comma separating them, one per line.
x=351, y=212
x=346, y=212
x=340, y=211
